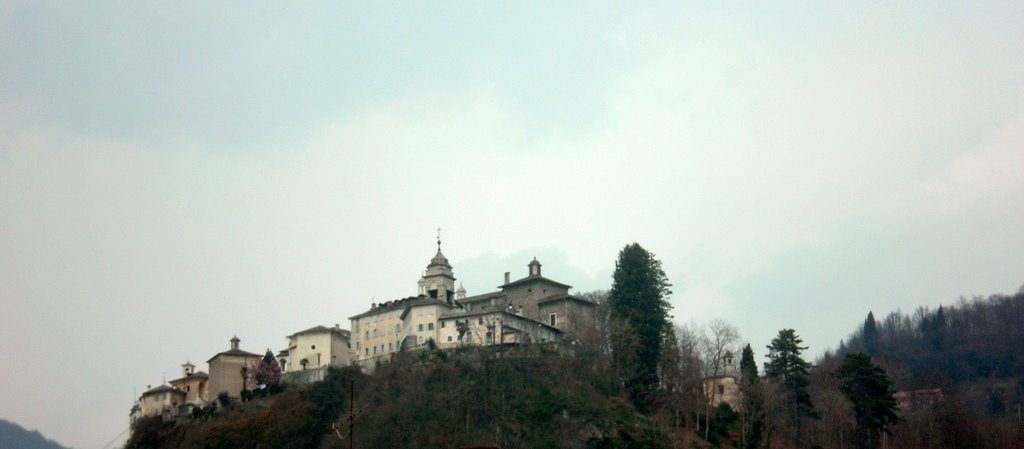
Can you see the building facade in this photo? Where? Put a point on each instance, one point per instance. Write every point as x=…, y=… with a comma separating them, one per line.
x=195, y=385
x=316, y=347
x=724, y=388
x=162, y=400
x=226, y=370
x=532, y=309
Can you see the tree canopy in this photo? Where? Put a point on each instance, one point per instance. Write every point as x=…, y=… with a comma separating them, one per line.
x=870, y=334
x=786, y=366
x=639, y=310
x=870, y=391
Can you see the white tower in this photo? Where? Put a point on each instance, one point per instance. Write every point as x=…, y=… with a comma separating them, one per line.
x=438, y=280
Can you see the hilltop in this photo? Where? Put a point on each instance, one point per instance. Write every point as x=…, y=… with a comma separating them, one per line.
x=13, y=436
x=511, y=397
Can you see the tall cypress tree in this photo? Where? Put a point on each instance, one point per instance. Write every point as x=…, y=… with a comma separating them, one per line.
x=870, y=334
x=639, y=306
x=748, y=367
x=752, y=425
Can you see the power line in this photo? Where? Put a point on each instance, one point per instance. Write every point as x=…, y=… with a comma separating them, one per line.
x=105, y=446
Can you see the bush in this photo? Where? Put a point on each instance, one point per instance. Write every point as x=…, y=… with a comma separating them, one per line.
x=224, y=399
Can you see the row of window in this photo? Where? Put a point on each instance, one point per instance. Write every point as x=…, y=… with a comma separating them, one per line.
x=375, y=333
x=376, y=350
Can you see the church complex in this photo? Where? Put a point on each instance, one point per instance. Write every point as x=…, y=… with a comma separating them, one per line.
x=530, y=309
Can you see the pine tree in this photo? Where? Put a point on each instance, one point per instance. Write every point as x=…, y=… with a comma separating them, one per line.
x=639, y=306
x=870, y=390
x=870, y=334
x=787, y=367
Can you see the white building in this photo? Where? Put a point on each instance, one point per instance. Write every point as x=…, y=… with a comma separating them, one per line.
x=529, y=310
x=316, y=347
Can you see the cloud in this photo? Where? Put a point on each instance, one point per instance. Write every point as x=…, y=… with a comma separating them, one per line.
x=988, y=177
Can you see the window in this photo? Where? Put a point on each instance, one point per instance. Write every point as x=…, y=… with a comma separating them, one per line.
x=420, y=327
x=389, y=347
x=552, y=319
x=721, y=389
x=442, y=324
x=367, y=336
x=367, y=351
x=430, y=326
x=489, y=338
x=449, y=339
x=312, y=347
x=480, y=320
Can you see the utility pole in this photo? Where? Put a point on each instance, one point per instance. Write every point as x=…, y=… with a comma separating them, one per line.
x=351, y=412
x=351, y=417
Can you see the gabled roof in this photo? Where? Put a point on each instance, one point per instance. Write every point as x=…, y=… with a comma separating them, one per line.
x=237, y=352
x=195, y=375
x=321, y=330
x=161, y=389
x=481, y=297
x=556, y=298
x=400, y=304
x=533, y=278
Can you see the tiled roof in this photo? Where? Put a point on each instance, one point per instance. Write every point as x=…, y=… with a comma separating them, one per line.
x=237, y=352
x=161, y=389
x=321, y=330
x=556, y=298
x=195, y=375
x=399, y=304
x=481, y=297
x=532, y=278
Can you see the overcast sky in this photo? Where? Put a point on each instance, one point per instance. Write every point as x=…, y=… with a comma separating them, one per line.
x=175, y=173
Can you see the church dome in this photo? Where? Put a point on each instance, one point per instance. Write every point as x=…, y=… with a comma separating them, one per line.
x=439, y=259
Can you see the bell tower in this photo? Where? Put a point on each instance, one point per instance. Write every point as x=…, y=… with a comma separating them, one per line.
x=438, y=281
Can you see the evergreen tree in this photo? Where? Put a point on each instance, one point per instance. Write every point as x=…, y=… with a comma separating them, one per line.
x=752, y=413
x=787, y=367
x=748, y=367
x=870, y=391
x=638, y=302
x=870, y=334
x=935, y=332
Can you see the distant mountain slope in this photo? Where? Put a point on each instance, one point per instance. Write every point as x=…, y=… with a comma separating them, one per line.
x=13, y=436
x=969, y=341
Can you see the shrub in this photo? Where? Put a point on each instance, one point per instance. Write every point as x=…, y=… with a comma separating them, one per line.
x=224, y=399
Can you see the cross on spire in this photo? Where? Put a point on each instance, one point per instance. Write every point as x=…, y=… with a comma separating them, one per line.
x=439, y=239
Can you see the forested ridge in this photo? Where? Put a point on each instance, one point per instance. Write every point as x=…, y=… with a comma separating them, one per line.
x=973, y=339
x=13, y=436
x=959, y=368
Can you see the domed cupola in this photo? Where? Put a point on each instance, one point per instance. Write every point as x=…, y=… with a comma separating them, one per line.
x=439, y=258
x=438, y=281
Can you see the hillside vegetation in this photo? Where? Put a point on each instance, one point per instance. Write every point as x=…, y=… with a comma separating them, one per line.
x=516, y=397
x=965, y=362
